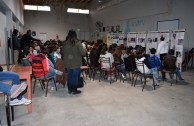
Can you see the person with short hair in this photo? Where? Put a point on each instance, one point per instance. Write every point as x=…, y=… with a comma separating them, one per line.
x=163, y=48
x=169, y=64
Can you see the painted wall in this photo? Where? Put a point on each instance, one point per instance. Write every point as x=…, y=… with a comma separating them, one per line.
x=16, y=6
x=2, y=37
x=57, y=21
x=141, y=15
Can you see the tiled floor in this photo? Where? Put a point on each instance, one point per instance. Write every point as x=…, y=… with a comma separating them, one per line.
x=118, y=104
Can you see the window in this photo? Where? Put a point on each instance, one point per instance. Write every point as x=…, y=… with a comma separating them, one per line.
x=30, y=7
x=44, y=8
x=80, y=11
x=35, y=7
x=72, y=10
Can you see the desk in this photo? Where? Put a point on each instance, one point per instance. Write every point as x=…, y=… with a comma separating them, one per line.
x=192, y=57
x=25, y=72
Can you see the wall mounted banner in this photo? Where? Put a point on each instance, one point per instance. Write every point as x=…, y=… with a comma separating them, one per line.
x=177, y=42
x=141, y=39
x=114, y=38
x=152, y=40
x=131, y=39
x=121, y=38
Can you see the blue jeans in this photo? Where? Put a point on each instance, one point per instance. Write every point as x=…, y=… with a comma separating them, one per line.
x=11, y=76
x=51, y=73
x=178, y=74
x=5, y=88
x=72, y=77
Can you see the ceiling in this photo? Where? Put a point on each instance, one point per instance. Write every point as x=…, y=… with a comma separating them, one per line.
x=48, y=2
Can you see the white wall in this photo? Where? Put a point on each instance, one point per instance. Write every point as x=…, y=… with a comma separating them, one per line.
x=143, y=15
x=2, y=37
x=16, y=6
x=57, y=21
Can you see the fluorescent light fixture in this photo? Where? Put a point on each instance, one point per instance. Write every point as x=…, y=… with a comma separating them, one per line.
x=84, y=11
x=44, y=8
x=72, y=10
x=30, y=7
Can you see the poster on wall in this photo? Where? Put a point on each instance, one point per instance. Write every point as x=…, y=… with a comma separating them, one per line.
x=141, y=39
x=152, y=40
x=121, y=38
x=179, y=42
x=42, y=37
x=114, y=38
x=131, y=39
x=176, y=38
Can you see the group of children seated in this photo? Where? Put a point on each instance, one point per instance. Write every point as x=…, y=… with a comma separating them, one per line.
x=126, y=59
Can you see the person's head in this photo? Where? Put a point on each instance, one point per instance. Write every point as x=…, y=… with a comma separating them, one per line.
x=57, y=49
x=103, y=51
x=139, y=50
x=72, y=37
x=171, y=52
x=15, y=32
x=162, y=38
x=28, y=32
x=152, y=50
x=27, y=54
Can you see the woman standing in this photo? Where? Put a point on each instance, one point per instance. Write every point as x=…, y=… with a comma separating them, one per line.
x=72, y=52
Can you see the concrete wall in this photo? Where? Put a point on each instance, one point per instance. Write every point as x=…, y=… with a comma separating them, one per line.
x=11, y=16
x=143, y=15
x=57, y=21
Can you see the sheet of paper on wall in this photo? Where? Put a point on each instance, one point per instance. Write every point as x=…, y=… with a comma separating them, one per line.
x=121, y=38
x=141, y=39
x=42, y=37
x=152, y=40
x=131, y=39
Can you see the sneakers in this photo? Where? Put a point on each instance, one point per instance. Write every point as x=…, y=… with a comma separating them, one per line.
x=26, y=101
x=52, y=88
x=58, y=72
x=16, y=102
x=123, y=76
x=17, y=89
x=181, y=79
x=20, y=102
x=76, y=92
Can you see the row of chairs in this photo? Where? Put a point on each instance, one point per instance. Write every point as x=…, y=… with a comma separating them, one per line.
x=130, y=68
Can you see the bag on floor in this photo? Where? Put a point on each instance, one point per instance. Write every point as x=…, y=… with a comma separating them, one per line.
x=81, y=82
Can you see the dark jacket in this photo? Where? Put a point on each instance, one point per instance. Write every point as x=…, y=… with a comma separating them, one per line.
x=26, y=40
x=94, y=57
x=16, y=42
x=72, y=54
x=169, y=62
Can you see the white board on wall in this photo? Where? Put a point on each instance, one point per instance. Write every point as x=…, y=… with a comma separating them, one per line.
x=168, y=25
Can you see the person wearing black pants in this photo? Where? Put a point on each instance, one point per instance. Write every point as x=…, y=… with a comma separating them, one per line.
x=162, y=50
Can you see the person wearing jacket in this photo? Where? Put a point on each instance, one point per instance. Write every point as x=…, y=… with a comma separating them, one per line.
x=16, y=45
x=72, y=52
x=169, y=64
x=155, y=64
x=140, y=58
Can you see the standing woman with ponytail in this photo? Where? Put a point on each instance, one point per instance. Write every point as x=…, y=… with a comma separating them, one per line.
x=72, y=52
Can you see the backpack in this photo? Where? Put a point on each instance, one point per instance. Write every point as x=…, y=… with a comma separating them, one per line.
x=40, y=61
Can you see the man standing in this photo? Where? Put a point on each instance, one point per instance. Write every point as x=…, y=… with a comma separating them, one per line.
x=16, y=45
x=26, y=39
x=163, y=47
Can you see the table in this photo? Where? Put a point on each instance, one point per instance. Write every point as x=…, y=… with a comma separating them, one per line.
x=25, y=73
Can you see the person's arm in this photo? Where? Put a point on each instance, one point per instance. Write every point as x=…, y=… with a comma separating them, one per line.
x=81, y=49
x=34, y=39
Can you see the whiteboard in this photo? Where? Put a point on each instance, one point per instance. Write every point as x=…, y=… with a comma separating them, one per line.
x=168, y=25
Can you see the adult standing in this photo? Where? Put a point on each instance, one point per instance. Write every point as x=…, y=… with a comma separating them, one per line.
x=162, y=51
x=26, y=39
x=72, y=52
x=16, y=45
x=163, y=48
